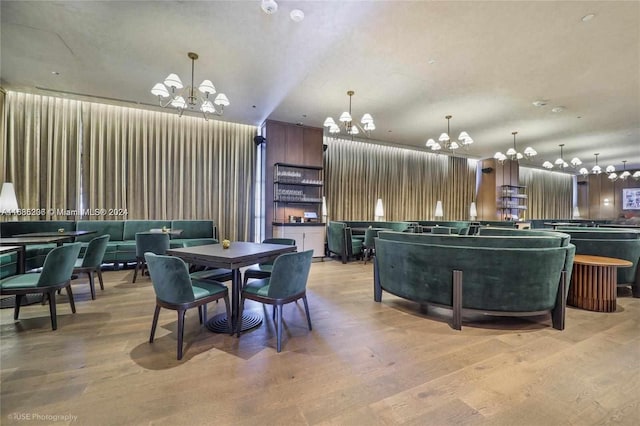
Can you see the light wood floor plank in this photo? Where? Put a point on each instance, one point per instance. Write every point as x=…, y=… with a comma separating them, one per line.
x=364, y=363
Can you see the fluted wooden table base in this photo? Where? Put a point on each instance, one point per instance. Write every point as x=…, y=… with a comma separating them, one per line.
x=593, y=282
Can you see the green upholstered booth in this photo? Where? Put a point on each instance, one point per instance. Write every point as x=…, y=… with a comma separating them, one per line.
x=8, y=264
x=121, y=247
x=620, y=243
x=507, y=232
x=455, y=224
x=341, y=242
x=493, y=280
x=393, y=226
x=478, y=240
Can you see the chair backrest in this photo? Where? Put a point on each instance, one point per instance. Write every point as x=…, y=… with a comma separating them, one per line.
x=95, y=251
x=281, y=241
x=289, y=274
x=154, y=242
x=369, y=235
x=170, y=278
x=58, y=265
x=199, y=242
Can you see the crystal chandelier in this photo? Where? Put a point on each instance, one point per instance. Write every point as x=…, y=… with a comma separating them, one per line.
x=172, y=89
x=347, y=122
x=513, y=154
x=444, y=141
x=560, y=162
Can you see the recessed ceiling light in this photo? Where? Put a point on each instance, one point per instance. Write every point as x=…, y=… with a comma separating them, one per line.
x=587, y=18
x=55, y=73
x=540, y=103
x=558, y=109
x=432, y=61
x=296, y=15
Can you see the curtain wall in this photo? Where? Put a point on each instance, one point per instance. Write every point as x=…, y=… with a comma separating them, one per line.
x=42, y=153
x=549, y=194
x=153, y=165
x=408, y=182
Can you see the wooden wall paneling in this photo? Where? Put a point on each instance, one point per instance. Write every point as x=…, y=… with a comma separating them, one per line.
x=486, y=198
x=583, y=197
x=295, y=145
x=313, y=149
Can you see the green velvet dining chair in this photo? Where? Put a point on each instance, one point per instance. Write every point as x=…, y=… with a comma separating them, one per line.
x=92, y=261
x=55, y=275
x=153, y=242
x=175, y=290
x=287, y=283
x=263, y=270
x=368, y=244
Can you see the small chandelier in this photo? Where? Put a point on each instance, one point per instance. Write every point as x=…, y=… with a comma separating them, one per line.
x=596, y=170
x=444, y=141
x=514, y=154
x=193, y=99
x=613, y=176
x=560, y=162
x=347, y=122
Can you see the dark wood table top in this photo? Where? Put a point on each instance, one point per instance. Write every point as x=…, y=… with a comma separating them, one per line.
x=8, y=249
x=22, y=241
x=57, y=234
x=239, y=254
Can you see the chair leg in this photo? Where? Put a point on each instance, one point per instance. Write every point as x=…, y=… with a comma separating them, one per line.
x=200, y=314
x=180, y=332
x=52, y=309
x=279, y=326
x=70, y=296
x=135, y=271
x=156, y=314
x=306, y=309
x=273, y=312
x=16, y=310
x=99, y=272
x=92, y=285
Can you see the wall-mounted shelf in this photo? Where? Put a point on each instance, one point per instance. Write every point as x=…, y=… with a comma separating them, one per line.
x=511, y=201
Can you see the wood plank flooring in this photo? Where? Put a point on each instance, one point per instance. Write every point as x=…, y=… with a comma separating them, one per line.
x=364, y=363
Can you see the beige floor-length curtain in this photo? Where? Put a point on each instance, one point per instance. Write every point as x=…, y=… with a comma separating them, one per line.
x=409, y=182
x=549, y=194
x=157, y=165
x=41, y=153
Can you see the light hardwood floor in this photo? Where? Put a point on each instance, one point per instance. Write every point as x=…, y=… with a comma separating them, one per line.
x=364, y=363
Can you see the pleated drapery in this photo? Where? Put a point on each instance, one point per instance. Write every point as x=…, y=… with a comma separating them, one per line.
x=42, y=153
x=549, y=194
x=151, y=165
x=409, y=182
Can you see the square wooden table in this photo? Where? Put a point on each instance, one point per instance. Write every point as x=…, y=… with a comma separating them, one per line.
x=25, y=241
x=238, y=255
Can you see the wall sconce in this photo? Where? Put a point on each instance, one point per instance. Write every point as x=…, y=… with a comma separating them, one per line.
x=8, y=200
x=439, y=212
x=379, y=212
x=606, y=202
x=473, y=211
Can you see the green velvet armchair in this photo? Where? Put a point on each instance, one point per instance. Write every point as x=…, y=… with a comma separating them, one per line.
x=263, y=270
x=92, y=262
x=55, y=275
x=175, y=290
x=341, y=242
x=153, y=242
x=287, y=283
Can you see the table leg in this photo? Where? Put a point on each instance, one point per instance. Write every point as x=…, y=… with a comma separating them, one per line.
x=218, y=324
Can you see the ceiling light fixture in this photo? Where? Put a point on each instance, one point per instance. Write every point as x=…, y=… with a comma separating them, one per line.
x=514, y=154
x=560, y=162
x=347, y=122
x=625, y=174
x=587, y=18
x=193, y=99
x=269, y=7
x=596, y=170
x=444, y=141
x=296, y=15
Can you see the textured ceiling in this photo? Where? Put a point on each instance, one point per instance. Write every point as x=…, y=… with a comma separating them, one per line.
x=410, y=64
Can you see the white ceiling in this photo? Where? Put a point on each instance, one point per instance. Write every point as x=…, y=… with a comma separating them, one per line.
x=410, y=64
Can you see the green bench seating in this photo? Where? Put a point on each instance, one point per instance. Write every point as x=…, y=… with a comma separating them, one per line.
x=121, y=247
x=493, y=275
